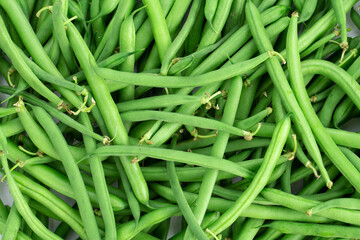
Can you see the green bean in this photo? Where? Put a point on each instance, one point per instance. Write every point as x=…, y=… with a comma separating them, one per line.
x=308, y=10
x=221, y=140
x=249, y=229
x=195, y=174
x=193, y=40
x=111, y=36
x=299, y=4
x=57, y=114
x=210, y=10
x=314, y=230
x=320, y=27
x=236, y=40
x=62, y=230
x=174, y=155
x=52, y=178
x=131, y=198
x=60, y=36
x=252, y=211
x=130, y=229
x=173, y=20
x=8, y=46
x=7, y=111
x=181, y=200
x=331, y=194
x=236, y=16
x=98, y=27
x=253, y=120
x=270, y=234
x=340, y=15
x=335, y=96
x=181, y=64
x=145, y=79
x=109, y=112
x=3, y=211
x=98, y=175
x=209, y=218
x=20, y=235
x=325, y=141
x=180, y=38
x=106, y=8
x=158, y=102
x=135, y=116
x=260, y=180
x=236, y=145
x=348, y=84
x=302, y=204
x=345, y=109
x=209, y=36
x=49, y=200
x=20, y=200
x=355, y=18
x=72, y=170
x=144, y=35
x=159, y=27
x=13, y=223
x=344, y=203
x=314, y=186
x=45, y=30
x=281, y=84
x=41, y=74
x=317, y=44
x=353, y=158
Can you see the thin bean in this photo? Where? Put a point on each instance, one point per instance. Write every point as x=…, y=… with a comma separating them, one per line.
x=355, y=18
x=130, y=229
x=314, y=230
x=249, y=229
x=145, y=79
x=182, y=202
x=20, y=201
x=209, y=178
x=253, y=211
x=344, y=203
x=174, y=155
x=106, y=7
x=281, y=84
x=109, y=112
x=9, y=47
x=135, y=116
x=260, y=180
x=307, y=10
x=20, y=235
x=181, y=37
x=72, y=170
x=60, y=35
x=302, y=204
x=340, y=15
x=235, y=41
x=13, y=224
x=51, y=201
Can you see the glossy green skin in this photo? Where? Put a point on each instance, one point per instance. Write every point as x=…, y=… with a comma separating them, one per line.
x=146, y=79
x=282, y=86
x=315, y=229
x=218, y=150
x=72, y=171
x=260, y=180
x=302, y=204
x=21, y=201
x=109, y=112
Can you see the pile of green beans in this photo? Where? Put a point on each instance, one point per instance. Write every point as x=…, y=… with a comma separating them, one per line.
x=180, y=119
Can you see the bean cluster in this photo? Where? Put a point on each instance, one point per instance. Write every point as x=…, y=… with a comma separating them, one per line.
x=121, y=114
